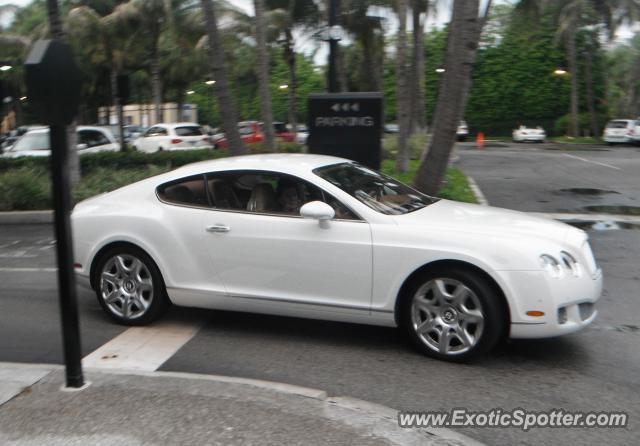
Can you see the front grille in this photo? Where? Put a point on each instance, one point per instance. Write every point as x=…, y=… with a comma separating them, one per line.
x=586, y=309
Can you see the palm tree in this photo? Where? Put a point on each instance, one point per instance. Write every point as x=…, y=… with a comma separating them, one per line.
x=223, y=92
x=462, y=44
x=418, y=119
x=403, y=104
x=284, y=17
x=262, y=69
x=57, y=32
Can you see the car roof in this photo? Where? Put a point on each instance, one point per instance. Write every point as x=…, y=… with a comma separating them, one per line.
x=176, y=124
x=278, y=162
x=80, y=127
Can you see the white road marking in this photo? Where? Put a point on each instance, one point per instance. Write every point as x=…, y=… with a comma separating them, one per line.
x=477, y=192
x=27, y=270
x=143, y=348
x=592, y=162
x=6, y=245
x=18, y=254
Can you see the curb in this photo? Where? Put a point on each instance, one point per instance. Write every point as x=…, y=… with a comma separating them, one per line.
x=374, y=413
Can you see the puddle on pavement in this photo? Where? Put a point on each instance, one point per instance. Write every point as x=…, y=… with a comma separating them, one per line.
x=607, y=225
x=616, y=209
x=587, y=191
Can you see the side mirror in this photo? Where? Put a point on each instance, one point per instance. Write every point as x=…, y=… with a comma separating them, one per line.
x=82, y=146
x=317, y=210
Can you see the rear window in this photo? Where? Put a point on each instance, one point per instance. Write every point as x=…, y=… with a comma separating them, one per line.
x=280, y=127
x=190, y=130
x=617, y=125
x=186, y=191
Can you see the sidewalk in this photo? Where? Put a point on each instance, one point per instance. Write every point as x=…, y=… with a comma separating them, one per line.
x=159, y=408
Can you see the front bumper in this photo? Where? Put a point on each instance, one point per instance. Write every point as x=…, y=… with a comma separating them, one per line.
x=569, y=304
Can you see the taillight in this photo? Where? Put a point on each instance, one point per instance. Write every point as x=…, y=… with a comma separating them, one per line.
x=176, y=141
x=206, y=138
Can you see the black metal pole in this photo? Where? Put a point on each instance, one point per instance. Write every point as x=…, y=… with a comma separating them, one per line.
x=64, y=252
x=332, y=73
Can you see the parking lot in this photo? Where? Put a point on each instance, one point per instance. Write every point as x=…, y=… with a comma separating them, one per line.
x=594, y=370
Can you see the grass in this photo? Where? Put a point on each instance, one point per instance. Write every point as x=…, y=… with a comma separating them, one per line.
x=576, y=140
x=25, y=184
x=456, y=186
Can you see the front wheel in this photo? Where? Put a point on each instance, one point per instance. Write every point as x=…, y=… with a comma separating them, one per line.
x=453, y=315
x=129, y=287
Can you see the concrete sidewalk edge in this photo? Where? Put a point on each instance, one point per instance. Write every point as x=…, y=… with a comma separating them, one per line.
x=362, y=407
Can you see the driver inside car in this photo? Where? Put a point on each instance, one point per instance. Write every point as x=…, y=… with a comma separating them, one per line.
x=288, y=197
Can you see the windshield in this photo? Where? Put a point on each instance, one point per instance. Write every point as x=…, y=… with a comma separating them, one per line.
x=32, y=141
x=376, y=190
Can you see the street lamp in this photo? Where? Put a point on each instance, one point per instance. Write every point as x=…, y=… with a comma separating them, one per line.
x=5, y=67
x=283, y=87
x=190, y=92
x=440, y=70
x=210, y=82
x=559, y=71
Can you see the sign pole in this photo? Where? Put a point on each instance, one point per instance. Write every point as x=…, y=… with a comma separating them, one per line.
x=64, y=252
x=54, y=85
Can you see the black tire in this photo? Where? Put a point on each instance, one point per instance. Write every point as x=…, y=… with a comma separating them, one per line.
x=493, y=326
x=156, y=298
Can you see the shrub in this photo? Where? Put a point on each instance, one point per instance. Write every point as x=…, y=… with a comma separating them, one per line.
x=25, y=188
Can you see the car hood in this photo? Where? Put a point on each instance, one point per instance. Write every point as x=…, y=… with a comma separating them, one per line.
x=473, y=218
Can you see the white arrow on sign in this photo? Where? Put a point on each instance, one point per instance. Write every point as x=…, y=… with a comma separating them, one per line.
x=335, y=107
x=345, y=106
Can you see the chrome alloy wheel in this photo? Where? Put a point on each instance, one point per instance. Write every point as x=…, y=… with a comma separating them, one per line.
x=126, y=286
x=447, y=316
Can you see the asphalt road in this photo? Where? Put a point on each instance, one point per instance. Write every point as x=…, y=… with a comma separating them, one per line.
x=595, y=370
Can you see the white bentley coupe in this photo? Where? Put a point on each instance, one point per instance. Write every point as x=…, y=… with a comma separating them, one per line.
x=325, y=238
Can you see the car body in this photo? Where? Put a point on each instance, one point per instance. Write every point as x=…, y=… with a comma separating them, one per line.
x=282, y=132
x=252, y=132
x=303, y=134
x=620, y=131
x=173, y=136
x=524, y=133
x=462, y=131
x=35, y=142
x=391, y=128
x=358, y=250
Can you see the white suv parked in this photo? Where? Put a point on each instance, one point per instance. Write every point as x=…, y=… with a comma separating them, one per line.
x=175, y=136
x=621, y=131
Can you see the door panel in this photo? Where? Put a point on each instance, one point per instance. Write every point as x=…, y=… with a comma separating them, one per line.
x=291, y=258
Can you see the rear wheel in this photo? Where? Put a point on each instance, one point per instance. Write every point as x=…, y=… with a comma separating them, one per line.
x=129, y=286
x=453, y=315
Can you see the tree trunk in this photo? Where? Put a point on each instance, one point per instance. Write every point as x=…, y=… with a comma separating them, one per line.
x=226, y=103
x=593, y=115
x=156, y=82
x=402, y=102
x=290, y=59
x=462, y=45
x=264, y=86
x=57, y=32
x=417, y=95
x=573, y=71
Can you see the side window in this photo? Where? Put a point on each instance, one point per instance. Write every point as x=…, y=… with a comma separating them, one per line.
x=267, y=192
x=156, y=131
x=189, y=191
x=92, y=138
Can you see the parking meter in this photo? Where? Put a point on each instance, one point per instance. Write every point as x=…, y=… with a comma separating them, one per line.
x=54, y=85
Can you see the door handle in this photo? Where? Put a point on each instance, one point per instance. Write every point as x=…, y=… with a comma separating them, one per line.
x=218, y=227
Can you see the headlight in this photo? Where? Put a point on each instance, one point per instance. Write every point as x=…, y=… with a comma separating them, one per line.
x=550, y=265
x=571, y=263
